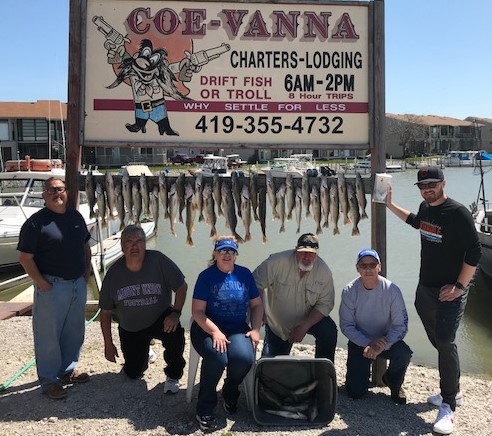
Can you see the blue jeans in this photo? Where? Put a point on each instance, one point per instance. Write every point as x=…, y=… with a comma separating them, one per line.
x=58, y=326
x=441, y=321
x=324, y=332
x=238, y=360
x=359, y=367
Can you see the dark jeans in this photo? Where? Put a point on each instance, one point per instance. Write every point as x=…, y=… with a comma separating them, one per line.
x=359, y=367
x=324, y=332
x=238, y=360
x=135, y=348
x=441, y=321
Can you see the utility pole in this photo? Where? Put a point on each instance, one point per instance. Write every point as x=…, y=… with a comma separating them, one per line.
x=73, y=108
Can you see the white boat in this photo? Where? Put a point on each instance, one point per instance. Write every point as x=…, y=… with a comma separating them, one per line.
x=482, y=216
x=467, y=158
x=214, y=165
x=107, y=252
x=364, y=165
x=296, y=164
x=483, y=224
x=21, y=197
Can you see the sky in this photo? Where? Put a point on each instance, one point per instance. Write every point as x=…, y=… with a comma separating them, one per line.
x=438, y=55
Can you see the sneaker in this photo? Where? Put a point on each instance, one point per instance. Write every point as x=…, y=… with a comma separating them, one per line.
x=230, y=408
x=171, y=386
x=436, y=400
x=55, y=392
x=206, y=422
x=152, y=355
x=444, y=423
x=397, y=394
x=75, y=377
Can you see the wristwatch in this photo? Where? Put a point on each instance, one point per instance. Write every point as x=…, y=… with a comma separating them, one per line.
x=461, y=286
x=176, y=311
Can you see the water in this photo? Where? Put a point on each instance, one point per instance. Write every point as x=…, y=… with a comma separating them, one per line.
x=403, y=253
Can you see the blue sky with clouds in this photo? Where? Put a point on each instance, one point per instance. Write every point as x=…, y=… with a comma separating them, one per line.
x=437, y=54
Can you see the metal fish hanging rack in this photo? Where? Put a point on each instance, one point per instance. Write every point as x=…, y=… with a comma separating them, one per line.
x=239, y=198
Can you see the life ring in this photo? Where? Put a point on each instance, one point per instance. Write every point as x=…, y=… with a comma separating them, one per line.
x=41, y=165
x=16, y=165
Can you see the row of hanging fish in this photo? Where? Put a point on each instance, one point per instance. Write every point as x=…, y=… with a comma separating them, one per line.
x=235, y=198
x=323, y=203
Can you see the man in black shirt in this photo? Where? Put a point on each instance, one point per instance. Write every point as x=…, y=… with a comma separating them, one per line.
x=55, y=253
x=449, y=257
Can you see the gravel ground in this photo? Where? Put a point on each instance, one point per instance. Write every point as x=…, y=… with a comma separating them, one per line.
x=111, y=404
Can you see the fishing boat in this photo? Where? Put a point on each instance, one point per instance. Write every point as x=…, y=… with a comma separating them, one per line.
x=482, y=214
x=467, y=158
x=296, y=164
x=21, y=197
x=214, y=165
x=107, y=252
x=364, y=165
x=21, y=193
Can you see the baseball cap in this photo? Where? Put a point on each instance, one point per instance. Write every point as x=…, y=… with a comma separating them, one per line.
x=225, y=243
x=307, y=242
x=368, y=252
x=430, y=174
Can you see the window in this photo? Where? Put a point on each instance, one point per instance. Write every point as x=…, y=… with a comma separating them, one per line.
x=146, y=151
x=4, y=130
x=32, y=130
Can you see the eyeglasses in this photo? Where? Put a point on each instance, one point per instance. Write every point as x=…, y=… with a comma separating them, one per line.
x=225, y=251
x=428, y=185
x=56, y=189
x=371, y=265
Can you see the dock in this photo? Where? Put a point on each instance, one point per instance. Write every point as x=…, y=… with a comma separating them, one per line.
x=8, y=309
x=21, y=304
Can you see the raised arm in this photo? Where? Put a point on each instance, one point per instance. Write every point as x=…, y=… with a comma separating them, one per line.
x=397, y=210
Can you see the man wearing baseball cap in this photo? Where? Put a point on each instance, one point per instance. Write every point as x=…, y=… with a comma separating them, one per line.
x=449, y=257
x=374, y=318
x=298, y=294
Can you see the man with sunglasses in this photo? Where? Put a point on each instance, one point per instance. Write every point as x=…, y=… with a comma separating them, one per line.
x=449, y=257
x=55, y=253
x=374, y=318
x=298, y=295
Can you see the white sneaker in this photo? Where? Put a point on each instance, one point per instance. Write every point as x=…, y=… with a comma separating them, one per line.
x=171, y=386
x=444, y=423
x=436, y=400
x=152, y=355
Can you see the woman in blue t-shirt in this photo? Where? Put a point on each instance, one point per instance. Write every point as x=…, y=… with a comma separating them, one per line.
x=223, y=295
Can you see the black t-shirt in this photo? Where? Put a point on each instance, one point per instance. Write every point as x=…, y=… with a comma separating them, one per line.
x=57, y=241
x=448, y=239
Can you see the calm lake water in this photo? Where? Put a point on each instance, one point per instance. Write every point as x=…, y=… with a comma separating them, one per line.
x=403, y=252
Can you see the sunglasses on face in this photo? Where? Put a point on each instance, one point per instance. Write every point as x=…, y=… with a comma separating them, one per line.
x=225, y=251
x=371, y=265
x=429, y=185
x=55, y=189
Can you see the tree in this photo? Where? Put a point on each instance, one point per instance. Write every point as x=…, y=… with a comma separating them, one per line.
x=410, y=131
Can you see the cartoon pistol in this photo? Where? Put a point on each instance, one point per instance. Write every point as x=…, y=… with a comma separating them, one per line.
x=202, y=57
x=114, y=39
